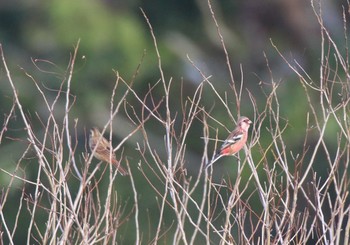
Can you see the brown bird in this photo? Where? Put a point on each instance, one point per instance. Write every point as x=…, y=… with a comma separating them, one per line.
x=103, y=150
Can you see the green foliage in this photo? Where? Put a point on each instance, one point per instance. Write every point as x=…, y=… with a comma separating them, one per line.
x=285, y=87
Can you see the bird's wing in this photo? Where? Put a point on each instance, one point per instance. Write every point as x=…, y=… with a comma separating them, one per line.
x=232, y=138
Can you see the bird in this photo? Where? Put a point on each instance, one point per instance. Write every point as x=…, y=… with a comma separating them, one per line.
x=103, y=150
x=235, y=141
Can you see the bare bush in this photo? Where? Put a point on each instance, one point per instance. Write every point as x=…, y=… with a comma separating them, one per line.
x=276, y=196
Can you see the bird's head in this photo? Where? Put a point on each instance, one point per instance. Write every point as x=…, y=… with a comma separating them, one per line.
x=244, y=123
x=94, y=132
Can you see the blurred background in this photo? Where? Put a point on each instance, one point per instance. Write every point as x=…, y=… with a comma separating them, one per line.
x=38, y=38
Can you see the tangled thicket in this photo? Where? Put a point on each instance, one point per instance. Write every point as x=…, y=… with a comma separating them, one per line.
x=281, y=200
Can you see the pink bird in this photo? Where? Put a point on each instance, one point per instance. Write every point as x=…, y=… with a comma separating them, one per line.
x=235, y=141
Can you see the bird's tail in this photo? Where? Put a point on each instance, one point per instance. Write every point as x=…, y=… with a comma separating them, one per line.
x=215, y=158
x=121, y=170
